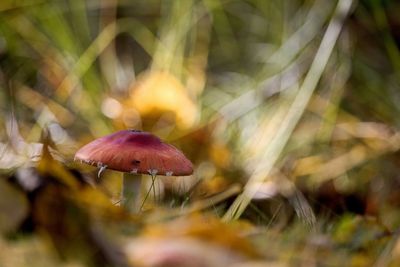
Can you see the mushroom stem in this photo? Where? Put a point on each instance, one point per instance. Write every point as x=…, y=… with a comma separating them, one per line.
x=131, y=186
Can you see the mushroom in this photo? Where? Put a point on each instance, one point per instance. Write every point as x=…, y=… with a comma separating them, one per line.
x=134, y=153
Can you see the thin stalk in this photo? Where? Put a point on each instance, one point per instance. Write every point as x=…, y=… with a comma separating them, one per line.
x=153, y=178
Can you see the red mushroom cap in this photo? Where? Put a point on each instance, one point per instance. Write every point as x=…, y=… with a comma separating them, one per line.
x=135, y=152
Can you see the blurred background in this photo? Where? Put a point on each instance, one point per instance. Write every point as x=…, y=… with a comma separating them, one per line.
x=289, y=111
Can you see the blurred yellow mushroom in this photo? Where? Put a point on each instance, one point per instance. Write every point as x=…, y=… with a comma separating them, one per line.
x=159, y=92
